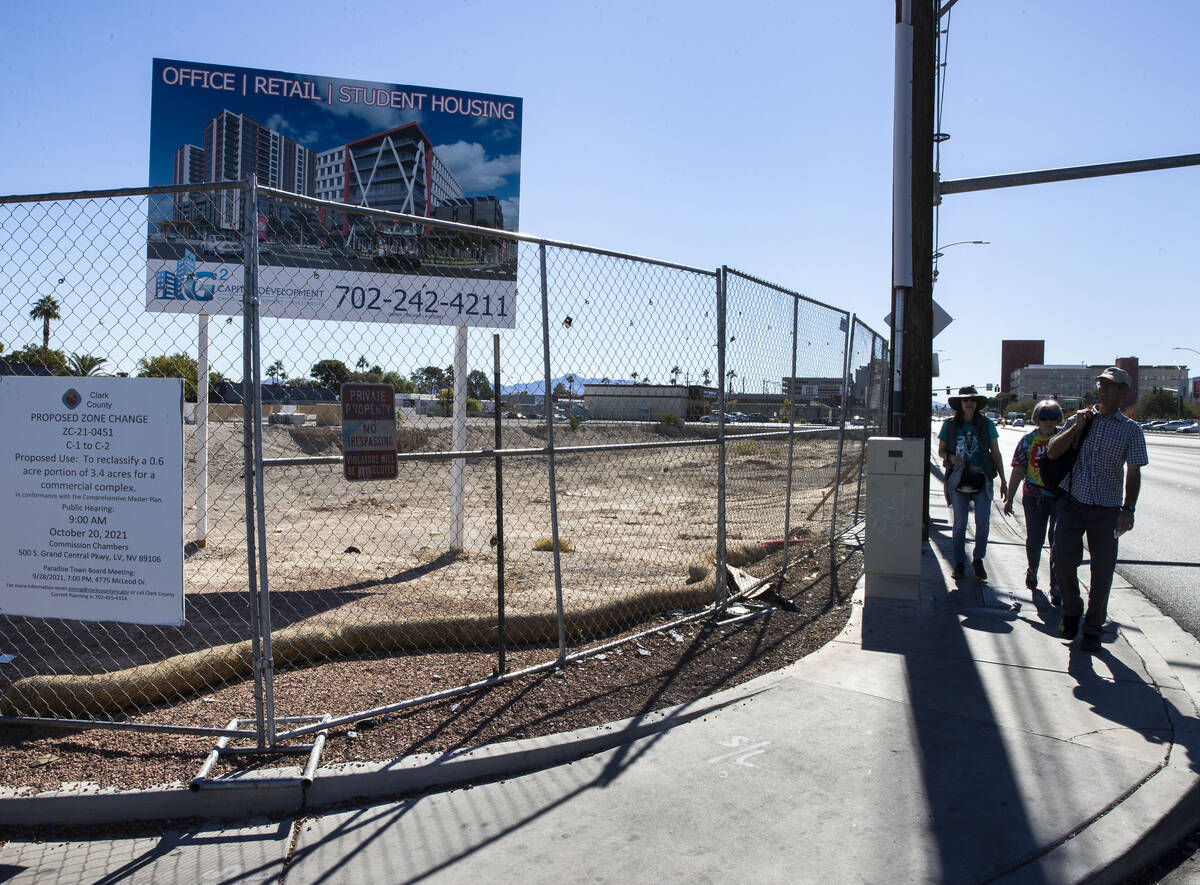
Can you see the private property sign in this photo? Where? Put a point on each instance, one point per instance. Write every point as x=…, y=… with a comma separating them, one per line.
x=368, y=431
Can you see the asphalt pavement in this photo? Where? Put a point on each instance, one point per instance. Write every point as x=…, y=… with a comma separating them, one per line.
x=948, y=737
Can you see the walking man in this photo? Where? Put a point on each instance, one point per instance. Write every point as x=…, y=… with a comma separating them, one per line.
x=1099, y=497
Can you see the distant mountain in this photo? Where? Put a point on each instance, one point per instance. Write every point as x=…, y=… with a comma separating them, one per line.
x=538, y=387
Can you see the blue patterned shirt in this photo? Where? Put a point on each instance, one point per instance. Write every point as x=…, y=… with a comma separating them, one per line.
x=1099, y=474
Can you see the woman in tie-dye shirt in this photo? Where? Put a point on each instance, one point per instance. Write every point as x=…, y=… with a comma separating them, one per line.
x=1038, y=502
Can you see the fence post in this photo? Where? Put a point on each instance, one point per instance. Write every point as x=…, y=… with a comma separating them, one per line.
x=458, y=433
x=499, y=507
x=256, y=532
x=549, y=409
x=202, y=431
x=837, y=479
x=249, y=288
x=787, y=498
x=722, y=276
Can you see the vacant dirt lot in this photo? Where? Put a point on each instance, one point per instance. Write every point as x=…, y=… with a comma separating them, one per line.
x=362, y=574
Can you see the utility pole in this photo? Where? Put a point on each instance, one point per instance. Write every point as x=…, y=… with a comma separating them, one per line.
x=917, y=368
x=912, y=222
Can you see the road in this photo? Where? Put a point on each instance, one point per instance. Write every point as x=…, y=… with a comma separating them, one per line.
x=1160, y=556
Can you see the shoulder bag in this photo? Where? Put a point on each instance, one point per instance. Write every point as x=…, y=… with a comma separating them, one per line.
x=1055, y=470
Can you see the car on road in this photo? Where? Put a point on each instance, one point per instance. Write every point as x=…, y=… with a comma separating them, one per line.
x=1190, y=428
x=707, y=419
x=758, y=416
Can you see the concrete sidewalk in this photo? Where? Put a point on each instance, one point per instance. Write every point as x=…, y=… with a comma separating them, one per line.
x=952, y=738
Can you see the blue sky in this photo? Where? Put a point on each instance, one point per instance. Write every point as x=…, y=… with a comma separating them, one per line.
x=758, y=136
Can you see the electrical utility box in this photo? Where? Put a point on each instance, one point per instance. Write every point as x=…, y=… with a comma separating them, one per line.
x=895, y=493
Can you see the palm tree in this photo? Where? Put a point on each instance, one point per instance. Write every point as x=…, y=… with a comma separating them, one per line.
x=731, y=375
x=675, y=373
x=707, y=376
x=605, y=380
x=634, y=376
x=45, y=309
x=85, y=363
x=362, y=363
x=276, y=370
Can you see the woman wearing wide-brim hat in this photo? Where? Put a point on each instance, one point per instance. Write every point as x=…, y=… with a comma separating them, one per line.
x=970, y=438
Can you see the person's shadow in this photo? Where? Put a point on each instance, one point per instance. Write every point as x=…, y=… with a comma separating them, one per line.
x=1137, y=708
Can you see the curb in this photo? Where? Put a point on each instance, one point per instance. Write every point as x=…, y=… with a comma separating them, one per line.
x=281, y=793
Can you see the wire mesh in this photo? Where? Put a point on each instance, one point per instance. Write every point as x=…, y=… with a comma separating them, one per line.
x=612, y=375
x=785, y=357
x=78, y=275
x=868, y=376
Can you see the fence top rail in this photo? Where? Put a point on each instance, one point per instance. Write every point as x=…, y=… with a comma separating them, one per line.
x=858, y=321
x=123, y=192
x=544, y=451
x=497, y=233
x=782, y=291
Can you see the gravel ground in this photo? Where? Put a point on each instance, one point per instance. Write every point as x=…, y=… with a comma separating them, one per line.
x=657, y=671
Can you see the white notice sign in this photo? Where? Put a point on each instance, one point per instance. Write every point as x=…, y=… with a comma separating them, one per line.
x=91, y=502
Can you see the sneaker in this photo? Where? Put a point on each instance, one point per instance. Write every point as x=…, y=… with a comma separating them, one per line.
x=1090, y=643
x=1068, y=626
x=1031, y=578
x=959, y=572
x=980, y=572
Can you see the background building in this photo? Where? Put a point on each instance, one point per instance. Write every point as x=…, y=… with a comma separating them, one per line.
x=1069, y=383
x=1018, y=354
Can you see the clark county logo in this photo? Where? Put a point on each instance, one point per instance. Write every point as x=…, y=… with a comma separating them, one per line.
x=71, y=398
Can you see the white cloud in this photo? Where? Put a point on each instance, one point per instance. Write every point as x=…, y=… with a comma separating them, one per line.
x=378, y=119
x=277, y=123
x=477, y=174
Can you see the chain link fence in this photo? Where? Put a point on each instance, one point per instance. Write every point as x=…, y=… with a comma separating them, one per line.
x=589, y=445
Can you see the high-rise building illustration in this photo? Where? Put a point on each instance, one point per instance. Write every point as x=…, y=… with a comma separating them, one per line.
x=237, y=146
x=189, y=164
x=396, y=170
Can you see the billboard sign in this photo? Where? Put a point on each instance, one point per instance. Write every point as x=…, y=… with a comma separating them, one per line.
x=415, y=150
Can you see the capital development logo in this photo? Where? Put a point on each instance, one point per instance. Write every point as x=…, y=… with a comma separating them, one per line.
x=186, y=283
x=71, y=398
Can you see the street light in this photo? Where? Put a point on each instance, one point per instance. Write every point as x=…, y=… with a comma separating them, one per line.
x=939, y=251
x=1183, y=379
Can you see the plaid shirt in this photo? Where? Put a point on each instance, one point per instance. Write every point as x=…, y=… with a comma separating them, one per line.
x=1099, y=475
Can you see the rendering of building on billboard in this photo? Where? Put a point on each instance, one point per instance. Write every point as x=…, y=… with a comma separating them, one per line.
x=417, y=151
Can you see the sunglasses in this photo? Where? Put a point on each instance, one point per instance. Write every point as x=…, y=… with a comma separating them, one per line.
x=1049, y=416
